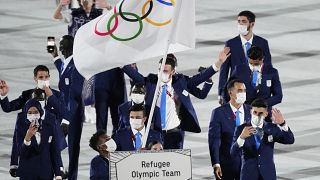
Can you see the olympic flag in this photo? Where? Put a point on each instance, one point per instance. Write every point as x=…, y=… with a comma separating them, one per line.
x=133, y=31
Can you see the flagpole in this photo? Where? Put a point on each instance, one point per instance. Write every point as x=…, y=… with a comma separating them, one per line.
x=156, y=93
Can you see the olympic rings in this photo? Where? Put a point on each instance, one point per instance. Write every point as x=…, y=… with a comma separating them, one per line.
x=109, y=31
x=166, y=3
x=134, y=20
x=129, y=14
x=151, y=21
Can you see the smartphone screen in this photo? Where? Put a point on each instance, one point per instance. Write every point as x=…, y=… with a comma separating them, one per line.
x=51, y=43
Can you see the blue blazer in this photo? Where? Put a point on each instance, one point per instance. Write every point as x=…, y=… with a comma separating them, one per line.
x=255, y=162
x=43, y=160
x=220, y=135
x=71, y=83
x=237, y=57
x=269, y=89
x=181, y=85
x=99, y=168
x=15, y=145
x=124, y=139
x=124, y=119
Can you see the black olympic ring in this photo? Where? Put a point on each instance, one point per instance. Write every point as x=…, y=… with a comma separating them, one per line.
x=135, y=20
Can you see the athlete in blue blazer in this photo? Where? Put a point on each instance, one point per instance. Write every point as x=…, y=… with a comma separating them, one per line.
x=39, y=153
x=255, y=142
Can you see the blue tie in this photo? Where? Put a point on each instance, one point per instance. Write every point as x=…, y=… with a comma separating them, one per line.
x=61, y=67
x=138, y=140
x=163, y=106
x=248, y=46
x=237, y=118
x=254, y=78
x=257, y=137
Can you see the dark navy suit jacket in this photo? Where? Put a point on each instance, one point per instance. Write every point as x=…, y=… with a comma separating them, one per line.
x=260, y=162
x=43, y=160
x=237, y=57
x=269, y=89
x=182, y=86
x=124, y=119
x=99, y=168
x=71, y=83
x=221, y=130
x=124, y=139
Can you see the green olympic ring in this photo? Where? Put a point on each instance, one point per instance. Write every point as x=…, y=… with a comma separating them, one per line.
x=128, y=14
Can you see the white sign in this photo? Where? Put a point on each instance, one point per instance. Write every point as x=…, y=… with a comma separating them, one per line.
x=155, y=165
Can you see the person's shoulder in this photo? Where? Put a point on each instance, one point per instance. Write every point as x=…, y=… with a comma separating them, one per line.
x=55, y=92
x=232, y=40
x=27, y=92
x=96, y=159
x=221, y=108
x=270, y=69
x=259, y=38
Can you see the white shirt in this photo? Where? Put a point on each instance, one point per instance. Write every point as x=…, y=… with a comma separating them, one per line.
x=142, y=132
x=172, y=119
x=65, y=62
x=244, y=41
x=241, y=114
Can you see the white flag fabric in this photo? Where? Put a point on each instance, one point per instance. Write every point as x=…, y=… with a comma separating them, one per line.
x=133, y=31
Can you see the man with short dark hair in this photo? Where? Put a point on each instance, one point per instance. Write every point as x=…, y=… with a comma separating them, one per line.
x=255, y=140
x=261, y=80
x=224, y=120
x=176, y=110
x=130, y=139
x=239, y=46
x=103, y=144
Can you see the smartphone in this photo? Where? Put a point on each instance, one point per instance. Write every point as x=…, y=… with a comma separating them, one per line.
x=51, y=44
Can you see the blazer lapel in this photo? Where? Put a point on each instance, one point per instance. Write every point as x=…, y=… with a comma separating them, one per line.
x=239, y=46
x=229, y=114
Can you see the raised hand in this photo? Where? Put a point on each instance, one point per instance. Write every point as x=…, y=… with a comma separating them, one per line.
x=277, y=116
x=247, y=132
x=33, y=128
x=4, y=88
x=223, y=55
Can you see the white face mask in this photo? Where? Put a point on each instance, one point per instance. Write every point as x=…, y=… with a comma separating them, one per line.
x=137, y=98
x=257, y=120
x=136, y=123
x=34, y=118
x=243, y=29
x=241, y=98
x=165, y=77
x=42, y=83
x=111, y=145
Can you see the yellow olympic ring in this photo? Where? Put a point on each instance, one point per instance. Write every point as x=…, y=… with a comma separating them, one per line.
x=149, y=20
